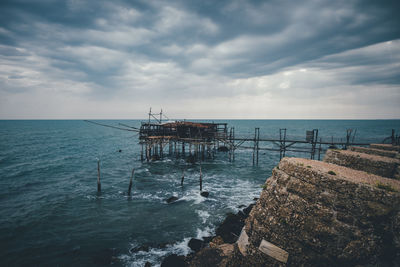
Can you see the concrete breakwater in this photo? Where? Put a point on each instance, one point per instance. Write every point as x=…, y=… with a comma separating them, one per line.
x=342, y=211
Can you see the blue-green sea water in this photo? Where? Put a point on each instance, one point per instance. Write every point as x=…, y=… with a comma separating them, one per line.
x=51, y=214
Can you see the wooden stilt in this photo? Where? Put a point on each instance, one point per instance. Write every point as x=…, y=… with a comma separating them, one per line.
x=183, y=177
x=201, y=180
x=141, y=153
x=161, y=148
x=130, y=182
x=98, y=177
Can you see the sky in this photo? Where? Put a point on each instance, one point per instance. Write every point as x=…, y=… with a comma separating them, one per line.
x=102, y=59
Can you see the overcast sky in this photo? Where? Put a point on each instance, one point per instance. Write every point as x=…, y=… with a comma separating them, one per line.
x=199, y=59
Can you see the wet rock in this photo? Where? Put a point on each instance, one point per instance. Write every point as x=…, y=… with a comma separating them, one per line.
x=242, y=214
x=230, y=228
x=147, y=264
x=171, y=199
x=196, y=244
x=162, y=245
x=207, y=239
x=145, y=248
x=241, y=206
x=173, y=260
x=204, y=194
x=248, y=209
x=207, y=257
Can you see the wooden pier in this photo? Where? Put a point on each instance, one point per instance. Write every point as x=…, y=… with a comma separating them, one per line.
x=197, y=141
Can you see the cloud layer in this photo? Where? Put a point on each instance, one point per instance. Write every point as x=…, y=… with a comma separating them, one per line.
x=199, y=59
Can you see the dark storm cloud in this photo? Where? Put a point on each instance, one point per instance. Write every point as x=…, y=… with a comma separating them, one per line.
x=116, y=49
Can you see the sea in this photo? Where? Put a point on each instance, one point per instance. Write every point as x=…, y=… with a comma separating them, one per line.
x=52, y=215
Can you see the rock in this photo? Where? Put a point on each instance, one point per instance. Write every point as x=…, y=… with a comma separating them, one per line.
x=147, y=264
x=145, y=248
x=248, y=209
x=320, y=219
x=226, y=249
x=241, y=206
x=207, y=239
x=216, y=241
x=379, y=165
x=196, y=244
x=171, y=199
x=207, y=257
x=173, y=260
x=204, y=194
x=230, y=228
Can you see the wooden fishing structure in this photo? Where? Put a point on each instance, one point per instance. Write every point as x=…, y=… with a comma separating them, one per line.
x=194, y=140
x=197, y=141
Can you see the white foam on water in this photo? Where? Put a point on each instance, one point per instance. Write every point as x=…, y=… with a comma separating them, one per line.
x=201, y=233
x=204, y=215
x=155, y=255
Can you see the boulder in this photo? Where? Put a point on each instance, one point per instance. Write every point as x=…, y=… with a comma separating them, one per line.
x=313, y=213
x=216, y=241
x=247, y=210
x=230, y=228
x=204, y=194
x=196, y=244
x=173, y=260
x=171, y=199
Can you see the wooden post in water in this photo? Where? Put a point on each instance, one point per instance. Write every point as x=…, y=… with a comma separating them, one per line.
x=233, y=144
x=201, y=180
x=183, y=177
x=130, y=182
x=254, y=148
x=141, y=153
x=161, y=148
x=98, y=177
x=258, y=143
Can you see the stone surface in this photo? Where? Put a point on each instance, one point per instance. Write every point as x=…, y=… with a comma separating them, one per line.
x=171, y=199
x=230, y=228
x=173, y=260
x=216, y=241
x=323, y=219
x=204, y=194
x=207, y=257
x=378, y=165
x=374, y=151
x=196, y=244
x=386, y=147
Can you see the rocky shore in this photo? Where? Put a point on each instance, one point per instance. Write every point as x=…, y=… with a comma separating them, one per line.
x=344, y=210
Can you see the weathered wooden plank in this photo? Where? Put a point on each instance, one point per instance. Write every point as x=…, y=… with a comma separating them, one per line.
x=273, y=251
x=243, y=242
